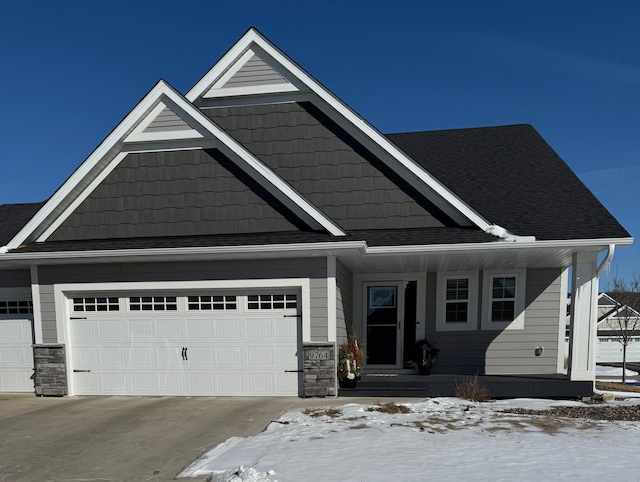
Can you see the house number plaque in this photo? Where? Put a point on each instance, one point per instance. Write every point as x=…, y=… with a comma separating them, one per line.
x=318, y=355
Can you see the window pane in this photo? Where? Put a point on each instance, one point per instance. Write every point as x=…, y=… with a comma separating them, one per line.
x=502, y=311
x=456, y=313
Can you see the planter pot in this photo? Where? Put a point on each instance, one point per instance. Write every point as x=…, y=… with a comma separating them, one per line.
x=346, y=383
x=424, y=369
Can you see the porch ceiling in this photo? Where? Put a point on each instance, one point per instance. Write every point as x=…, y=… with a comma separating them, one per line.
x=460, y=261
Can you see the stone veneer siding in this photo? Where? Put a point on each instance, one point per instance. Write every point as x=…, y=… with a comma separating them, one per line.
x=319, y=376
x=51, y=370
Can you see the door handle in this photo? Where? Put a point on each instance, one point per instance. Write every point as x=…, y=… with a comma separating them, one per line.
x=184, y=353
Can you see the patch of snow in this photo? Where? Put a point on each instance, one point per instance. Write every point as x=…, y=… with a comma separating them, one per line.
x=444, y=439
x=4, y=249
x=500, y=232
x=603, y=371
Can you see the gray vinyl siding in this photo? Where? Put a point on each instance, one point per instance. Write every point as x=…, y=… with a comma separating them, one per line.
x=344, y=302
x=14, y=278
x=185, y=193
x=495, y=352
x=315, y=269
x=167, y=121
x=255, y=72
x=325, y=165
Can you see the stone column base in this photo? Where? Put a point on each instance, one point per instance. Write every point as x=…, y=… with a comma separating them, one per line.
x=51, y=370
x=319, y=376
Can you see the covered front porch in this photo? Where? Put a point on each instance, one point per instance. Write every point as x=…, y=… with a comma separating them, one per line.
x=496, y=312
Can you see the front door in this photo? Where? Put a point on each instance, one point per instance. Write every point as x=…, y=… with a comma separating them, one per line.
x=383, y=319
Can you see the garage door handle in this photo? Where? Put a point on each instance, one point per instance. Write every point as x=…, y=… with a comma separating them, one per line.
x=81, y=371
x=184, y=353
x=294, y=371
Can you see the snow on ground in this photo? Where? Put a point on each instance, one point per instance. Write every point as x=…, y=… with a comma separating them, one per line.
x=603, y=371
x=443, y=439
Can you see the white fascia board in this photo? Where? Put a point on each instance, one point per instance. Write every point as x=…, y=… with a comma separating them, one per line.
x=253, y=36
x=165, y=254
x=500, y=245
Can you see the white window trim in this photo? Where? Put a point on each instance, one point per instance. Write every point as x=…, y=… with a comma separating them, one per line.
x=518, y=323
x=472, y=302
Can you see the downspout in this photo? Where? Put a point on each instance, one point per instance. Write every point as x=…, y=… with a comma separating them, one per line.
x=606, y=262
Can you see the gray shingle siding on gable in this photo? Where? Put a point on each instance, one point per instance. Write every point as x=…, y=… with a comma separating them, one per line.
x=326, y=165
x=181, y=193
x=167, y=121
x=255, y=72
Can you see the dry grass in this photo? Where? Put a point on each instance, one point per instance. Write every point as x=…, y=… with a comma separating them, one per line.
x=390, y=408
x=471, y=389
x=323, y=412
x=616, y=387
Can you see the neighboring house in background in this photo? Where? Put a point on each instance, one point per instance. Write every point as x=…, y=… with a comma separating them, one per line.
x=223, y=242
x=610, y=313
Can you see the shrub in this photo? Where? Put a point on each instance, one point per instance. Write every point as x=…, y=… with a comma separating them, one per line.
x=471, y=389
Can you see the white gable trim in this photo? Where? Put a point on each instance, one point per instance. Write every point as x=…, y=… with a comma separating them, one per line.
x=114, y=143
x=253, y=37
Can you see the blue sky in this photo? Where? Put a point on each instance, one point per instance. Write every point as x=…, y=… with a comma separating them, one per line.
x=71, y=70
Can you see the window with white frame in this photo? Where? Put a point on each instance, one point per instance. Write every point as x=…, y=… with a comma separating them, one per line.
x=503, y=300
x=457, y=301
x=153, y=303
x=83, y=305
x=272, y=302
x=17, y=307
x=212, y=302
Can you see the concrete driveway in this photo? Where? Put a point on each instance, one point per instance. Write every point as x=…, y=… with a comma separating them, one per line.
x=126, y=438
x=123, y=439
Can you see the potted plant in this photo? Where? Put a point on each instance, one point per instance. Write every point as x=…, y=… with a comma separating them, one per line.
x=350, y=358
x=424, y=355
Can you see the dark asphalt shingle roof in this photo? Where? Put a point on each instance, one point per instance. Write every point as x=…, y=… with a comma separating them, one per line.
x=13, y=217
x=512, y=177
x=375, y=237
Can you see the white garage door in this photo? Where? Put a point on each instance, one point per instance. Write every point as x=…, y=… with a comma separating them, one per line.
x=16, y=353
x=209, y=344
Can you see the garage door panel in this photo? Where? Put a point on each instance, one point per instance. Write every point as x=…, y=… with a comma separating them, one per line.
x=259, y=383
x=141, y=330
x=84, y=329
x=114, y=383
x=286, y=328
x=260, y=328
x=283, y=356
x=86, y=357
x=260, y=356
x=144, y=383
x=112, y=329
x=229, y=383
x=113, y=356
x=201, y=356
x=286, y=383
x=169, y=329
x=229, y=355
x=141, y=356
x=171, y=383
x=15, y=381
x=202, y=383
x=199, y=329
x=228, y=329
x=169, y=356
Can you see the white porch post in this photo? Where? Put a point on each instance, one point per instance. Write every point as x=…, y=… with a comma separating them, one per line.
x=582, y=336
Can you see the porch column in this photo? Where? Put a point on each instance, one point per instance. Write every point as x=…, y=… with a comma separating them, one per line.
x=584, y=317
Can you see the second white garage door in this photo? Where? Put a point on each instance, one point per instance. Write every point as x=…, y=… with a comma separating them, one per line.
x=208, y=344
